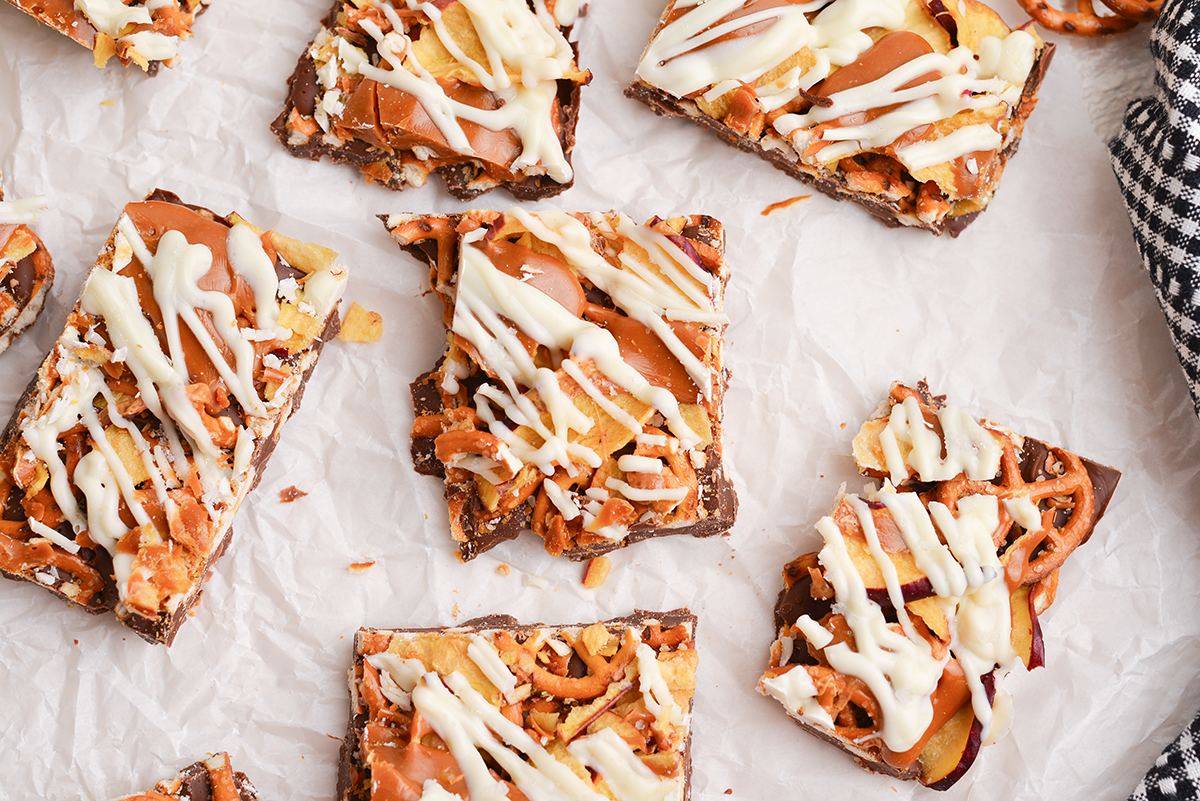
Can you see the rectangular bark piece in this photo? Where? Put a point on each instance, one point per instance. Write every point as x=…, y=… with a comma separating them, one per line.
x=135, y=34
x=894, y=640
x=562, y=710
x=212, y=779
x=610, y=390
x=485, y=94
x=145, y=428
x=913, y=116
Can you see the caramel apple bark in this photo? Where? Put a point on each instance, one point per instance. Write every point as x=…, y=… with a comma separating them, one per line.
x=580, y=392
x=153, y=417
x=142, y=32
x=485, y=93
x=910, y=108
x=895, y=639
x=26, y=270
x=210, y=780
x=493, y=709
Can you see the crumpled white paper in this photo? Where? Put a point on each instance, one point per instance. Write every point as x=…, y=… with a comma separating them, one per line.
x=1038, y=317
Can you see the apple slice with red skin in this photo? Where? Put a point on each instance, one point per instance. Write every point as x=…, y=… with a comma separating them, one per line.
x=1026, y=631
x=914, y=584
x=951, y=752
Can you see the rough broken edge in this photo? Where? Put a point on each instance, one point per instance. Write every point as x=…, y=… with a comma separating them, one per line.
x=459, y=184
x=782, y=156
x=37, y=293
x=349, y=758
x=165, y=626
x=87, y=41
x=870, y=754
x=716, y=489
x=193, y=783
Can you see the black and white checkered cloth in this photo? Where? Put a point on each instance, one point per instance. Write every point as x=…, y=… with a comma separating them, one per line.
x=1176, y=773
x=1156, y=157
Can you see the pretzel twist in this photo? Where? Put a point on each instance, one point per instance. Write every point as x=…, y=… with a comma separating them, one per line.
x=1137, y=10
x=1070, y=490
x=1085, y=22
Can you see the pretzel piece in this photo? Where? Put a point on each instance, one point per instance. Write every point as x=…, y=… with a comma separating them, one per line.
x=1084, y=22
x=1072, y=489
x=1137, y=10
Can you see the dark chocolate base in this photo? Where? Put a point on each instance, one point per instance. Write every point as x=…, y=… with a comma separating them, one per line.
x=353, y=777
x=463, y=181
x=717, y=495
x=196, y=786
x=164, y=627
x=835, y=186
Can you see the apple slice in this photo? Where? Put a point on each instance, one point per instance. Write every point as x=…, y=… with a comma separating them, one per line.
x=1026, y=631
x=914, y=584
x=950, y=753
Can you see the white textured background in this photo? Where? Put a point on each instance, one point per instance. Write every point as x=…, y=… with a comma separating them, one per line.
x=1038, y=317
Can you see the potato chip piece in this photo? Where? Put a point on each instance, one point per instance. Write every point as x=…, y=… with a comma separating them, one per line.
x=131, y=459
x=304, y=327
x=361, y=325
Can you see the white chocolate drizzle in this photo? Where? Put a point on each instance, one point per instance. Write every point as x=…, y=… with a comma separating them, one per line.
x=111, y=17
x=175, y=269
x=970, y=448
x=626, y=776
x=487, y=659
x=491, y=306
x=21, y=210
x=965, y=571
x=684, y=59
x=470, y=726
x=526, y=56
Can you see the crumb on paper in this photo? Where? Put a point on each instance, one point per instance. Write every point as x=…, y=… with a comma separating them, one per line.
x=783, y=204
x=291, y=494
x=361, y=325
x=843, y=425
x=504, y=569
x=530, y=580
x=361, y=567
x=456, y=612
x=729, y=791
x=108, y=103
x=597, y=572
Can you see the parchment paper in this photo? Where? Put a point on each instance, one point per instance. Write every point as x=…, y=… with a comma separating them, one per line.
x=1038, y=317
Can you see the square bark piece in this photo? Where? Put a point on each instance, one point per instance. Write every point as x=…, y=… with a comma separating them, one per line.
x=136, y=34
x=910, y=108
x=580, y=393
x=151, y=420
x=210, y=780
x=895, y=639
x=484, y=93
x=558, y=711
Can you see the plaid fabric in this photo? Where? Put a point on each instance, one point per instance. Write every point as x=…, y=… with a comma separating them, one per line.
x=1176, y=773
x=1156, y=157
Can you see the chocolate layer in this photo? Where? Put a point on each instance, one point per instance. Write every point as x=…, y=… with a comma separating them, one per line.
x=836, y=186
x=163, y=627
x=465, y=180
x=352, y=782
x=717, y=494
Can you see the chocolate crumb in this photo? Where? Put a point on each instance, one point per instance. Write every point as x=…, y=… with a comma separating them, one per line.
x=291, y=494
